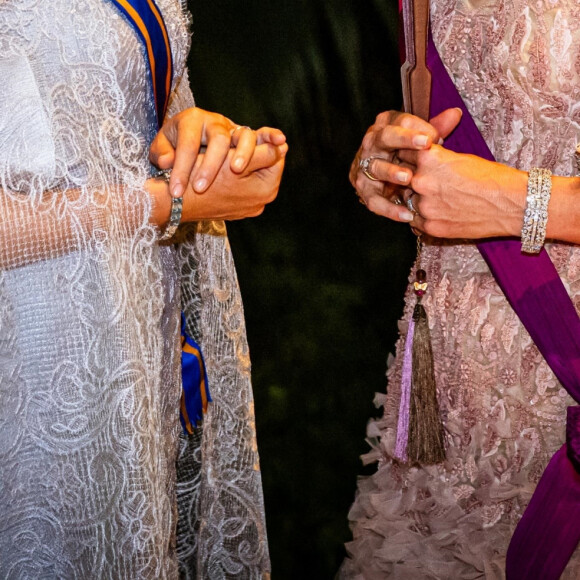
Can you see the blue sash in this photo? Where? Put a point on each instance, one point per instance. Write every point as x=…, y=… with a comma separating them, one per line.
x=145, y=18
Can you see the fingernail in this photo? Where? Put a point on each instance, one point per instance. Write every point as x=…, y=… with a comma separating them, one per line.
x=460, y=110
x=440, y=142
x=177, y=190
x=420, y=140
x=406, y=216
x=238, y=162
x=200, y=184
x=402, y=176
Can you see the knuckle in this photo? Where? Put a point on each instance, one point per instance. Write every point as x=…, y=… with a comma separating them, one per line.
x=373, y=203
x=434, y=228
x=406, y=122
x=428, y=227
x=384, y=118
x=368, y=140
x=359, y=182
x=417, y=183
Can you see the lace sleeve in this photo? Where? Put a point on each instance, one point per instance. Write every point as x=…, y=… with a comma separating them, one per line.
x=44, y=214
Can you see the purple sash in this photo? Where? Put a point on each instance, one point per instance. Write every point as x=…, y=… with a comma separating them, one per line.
x=549, y=530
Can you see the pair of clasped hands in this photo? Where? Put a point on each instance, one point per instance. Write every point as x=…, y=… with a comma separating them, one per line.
x=222, y=170
x=452, y=195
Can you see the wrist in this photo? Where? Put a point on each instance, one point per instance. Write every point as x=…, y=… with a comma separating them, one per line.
x=158, y=189
x=563, y=215
x=512, y=213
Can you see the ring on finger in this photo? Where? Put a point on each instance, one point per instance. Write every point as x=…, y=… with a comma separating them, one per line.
x=364, y=165
x=411, y=207
x=238, y=128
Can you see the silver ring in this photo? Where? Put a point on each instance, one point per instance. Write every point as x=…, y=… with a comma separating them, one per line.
x=364, y=165
x=410, y=205
x=233, y=131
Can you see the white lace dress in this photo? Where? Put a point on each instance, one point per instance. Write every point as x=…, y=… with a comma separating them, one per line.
x=89, y=322
x=517, y=66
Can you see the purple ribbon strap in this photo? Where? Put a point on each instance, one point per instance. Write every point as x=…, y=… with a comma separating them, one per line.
x=549, y=530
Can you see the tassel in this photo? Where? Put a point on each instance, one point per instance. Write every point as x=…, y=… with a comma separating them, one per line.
x=403, y=424
x=426, y=439
x=420, y=435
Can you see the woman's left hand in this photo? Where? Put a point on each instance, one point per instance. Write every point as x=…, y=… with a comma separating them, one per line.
x=179, y=141
x=464, y=196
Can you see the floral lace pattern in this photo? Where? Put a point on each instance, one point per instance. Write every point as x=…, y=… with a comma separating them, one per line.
x=516, y=66
x=89, y=315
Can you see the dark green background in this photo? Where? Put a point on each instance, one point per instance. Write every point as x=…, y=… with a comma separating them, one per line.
x=322, y=278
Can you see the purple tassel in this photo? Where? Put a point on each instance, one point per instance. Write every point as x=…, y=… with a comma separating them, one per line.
x=404, y=406
x=420, y=436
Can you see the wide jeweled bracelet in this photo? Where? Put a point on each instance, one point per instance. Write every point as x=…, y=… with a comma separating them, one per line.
x=176, y=209
x=536, y=212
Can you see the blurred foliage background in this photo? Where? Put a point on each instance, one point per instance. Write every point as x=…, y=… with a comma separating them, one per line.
x=322, y=278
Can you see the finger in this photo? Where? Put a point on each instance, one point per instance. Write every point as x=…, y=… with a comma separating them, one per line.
x=266, y=155
x=418, y=224
x=187, y=147
x=244, y=140
x=383, y=207
x=161, y=152
x=383, y=170
x=354, y=169
x=218, y=146
x=446, y=121
x=270, y=135
x=408, y=157
x=394, y=137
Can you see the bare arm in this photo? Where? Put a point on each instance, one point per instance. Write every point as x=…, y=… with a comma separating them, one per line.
x=456, y=195
x=464, y=196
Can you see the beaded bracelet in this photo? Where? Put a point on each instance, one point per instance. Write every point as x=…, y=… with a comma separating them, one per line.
x=176, y=209
x=536, y=212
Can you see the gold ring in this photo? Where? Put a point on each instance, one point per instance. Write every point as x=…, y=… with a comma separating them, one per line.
x=364, y=165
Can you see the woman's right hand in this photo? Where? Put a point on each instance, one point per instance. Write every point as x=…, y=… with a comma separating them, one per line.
x=180, y=140
x=232, y=195
x=392, y=133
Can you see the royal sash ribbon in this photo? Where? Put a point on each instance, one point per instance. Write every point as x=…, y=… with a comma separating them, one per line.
x=146, y=20
x=195, y=395
x=549, y=530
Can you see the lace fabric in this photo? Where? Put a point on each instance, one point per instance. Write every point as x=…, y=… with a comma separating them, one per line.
x=89, y=314
x=504, y=412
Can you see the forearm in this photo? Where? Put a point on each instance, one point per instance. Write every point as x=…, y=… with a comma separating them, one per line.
x=564, y=210
x=64, y=221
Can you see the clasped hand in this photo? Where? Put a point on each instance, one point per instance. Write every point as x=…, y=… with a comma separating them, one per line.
x=453, y=195
x=223, y=170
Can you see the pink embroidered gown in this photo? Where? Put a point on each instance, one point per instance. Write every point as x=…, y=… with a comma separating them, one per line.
x=517, y=66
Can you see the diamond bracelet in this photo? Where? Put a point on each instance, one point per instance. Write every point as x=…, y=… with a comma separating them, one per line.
x=536, y=212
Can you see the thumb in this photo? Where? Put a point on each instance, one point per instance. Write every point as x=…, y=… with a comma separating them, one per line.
x=162, y=152
x=446, y=121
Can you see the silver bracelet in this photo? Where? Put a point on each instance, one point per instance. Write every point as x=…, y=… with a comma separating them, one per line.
x=176, y=209
x=536, y=212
